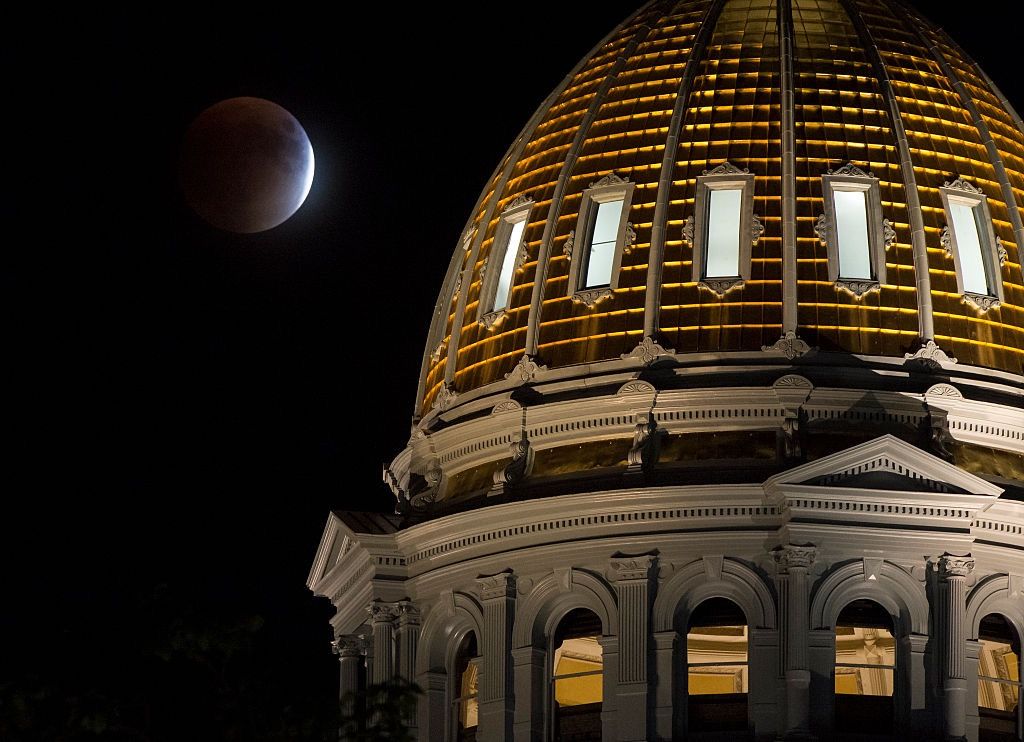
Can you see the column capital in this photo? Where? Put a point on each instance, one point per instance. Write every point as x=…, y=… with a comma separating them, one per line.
x=408, y=613
x=381, y=612
x=501, y=585
x=791, y=556
x=952, y=565
x=632, y=567
x=348, y=646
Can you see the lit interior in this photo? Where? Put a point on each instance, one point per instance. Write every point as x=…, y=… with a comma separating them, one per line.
x=508, y=264
x=852, y=231
x=968, y=246
x=865, y=661
x=716, y=659
x=578, y=675
x=468, y=708
x=602, y=243
x=723, y=238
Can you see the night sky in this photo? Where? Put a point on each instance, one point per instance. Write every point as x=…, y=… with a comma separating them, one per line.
x=187, y=405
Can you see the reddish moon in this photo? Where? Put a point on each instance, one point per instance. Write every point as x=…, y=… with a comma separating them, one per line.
x=246, y=165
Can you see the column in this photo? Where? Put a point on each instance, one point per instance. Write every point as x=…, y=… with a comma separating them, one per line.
x=350, y=653
x=406, y=643
x=495, y=690
x=953, y=571
x=632, y=577
x=382, y=622
x=531, y=690
x=793, y=562
x=667, y=683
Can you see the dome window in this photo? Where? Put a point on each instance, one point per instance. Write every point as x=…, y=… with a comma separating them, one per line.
x=853, y=230
x=602, y=235
x=725, y=228
x=971, y=241
x=507, y=256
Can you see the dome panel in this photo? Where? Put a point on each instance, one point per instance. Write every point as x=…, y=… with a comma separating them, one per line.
x=871, y=85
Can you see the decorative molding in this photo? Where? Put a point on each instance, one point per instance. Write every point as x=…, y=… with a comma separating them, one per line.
x=643, y=454
x=518, y=201
x=517, y=469
x=756, y=229
x=526, y=370
x=592, y=297
x=631, y=568
x=930, y=354
x=858, y=288
x=788, y=345
x=408, y=613
x=508, y=405
x=648, y=351
x=794, y=556
x=888, y=234
x=821, y=229
x=944, y=390
x=1001, y=252
x=980, y=302
x=793, y=381
x=635, y=387
x=381, y=612
x=688, y=231
x=609, y=179
x=491, y=319
x=946, y=241
x=458, y=286
x=424, y=499
x=630, y=239
x=394, y=485
x=726, y=168
x=960, y=184
x=348, y=646
x=445, y=398
x=435, y=354
x=852, y=171
x=569, y=242
x=721, y=286
x=524, y=250
x=493, y=587
x=952, y=565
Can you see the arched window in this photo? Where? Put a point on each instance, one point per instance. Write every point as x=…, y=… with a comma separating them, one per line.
x=717, y=679
x=465, y=708
x=998, y=680
x=577, y=677
x=865, y=674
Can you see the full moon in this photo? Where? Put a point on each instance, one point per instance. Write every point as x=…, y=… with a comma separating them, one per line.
x=246, y=165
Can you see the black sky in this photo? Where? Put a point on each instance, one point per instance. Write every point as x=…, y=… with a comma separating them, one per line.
x=187, y=405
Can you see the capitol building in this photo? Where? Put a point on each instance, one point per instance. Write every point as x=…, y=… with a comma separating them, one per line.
x=719, y=433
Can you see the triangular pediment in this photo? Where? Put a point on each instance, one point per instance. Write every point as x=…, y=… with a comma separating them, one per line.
x=886, y=463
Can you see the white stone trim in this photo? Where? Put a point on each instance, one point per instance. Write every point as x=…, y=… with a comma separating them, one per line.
x=609, y=188
x=517, y=211
x=963, y=192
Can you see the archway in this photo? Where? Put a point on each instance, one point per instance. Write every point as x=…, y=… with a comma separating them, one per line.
x=717, y=670
x=577, y=677
x=999, y=665
x=865, y=669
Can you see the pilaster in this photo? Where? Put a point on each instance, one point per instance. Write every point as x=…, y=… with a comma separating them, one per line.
x=382, y=623
x=632, y=578
x=952, y=572
x=496, y=689
x=793, y=561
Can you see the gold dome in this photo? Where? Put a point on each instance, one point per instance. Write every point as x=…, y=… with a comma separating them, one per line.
x=681, y=89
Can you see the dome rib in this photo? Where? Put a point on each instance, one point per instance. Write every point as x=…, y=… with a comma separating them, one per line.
x=501, y=172
x=918, y=238
x=979, y=123
x=789, y=202
x=555, y=207
x=655, y=263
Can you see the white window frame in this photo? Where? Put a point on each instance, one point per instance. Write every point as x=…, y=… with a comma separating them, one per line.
x=724, y=177
x=881, y=235
x=992, y=251
x=577, y=246
x=516, y=212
